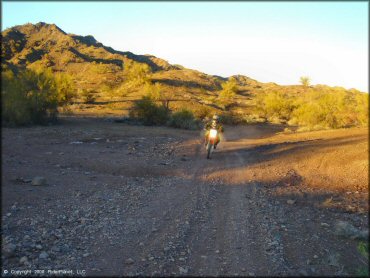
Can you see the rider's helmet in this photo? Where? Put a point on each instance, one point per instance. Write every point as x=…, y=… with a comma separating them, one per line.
x=214, y=120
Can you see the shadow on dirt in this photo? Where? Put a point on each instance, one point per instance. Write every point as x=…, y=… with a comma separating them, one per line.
x=269, y=152
x=251, y=131
x=330, y=201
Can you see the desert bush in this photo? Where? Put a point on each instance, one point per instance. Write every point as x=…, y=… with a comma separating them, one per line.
x=288, y=130
x=47, y=61
x=230, y=118
x=276, y=105
x=229, y=89
x=29, y=97
x=321, y=107
x=108, y=90
x=153, y=91
x=177, y=66
x=276, y=120
x=202, y=112
x=88, y=95
x=136, y=73
x=253, y=118
x=312, y=128
x=362, y=109
x=68, y=57
x=121, y=91
x=135, y=77
x=325, y=110
x=305, y=81
x=65, y=88
x=157, y=93
x=183, y=119
x=148, y=112
x=99, y=68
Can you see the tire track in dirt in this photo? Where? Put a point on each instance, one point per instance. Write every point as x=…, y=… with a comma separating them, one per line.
x=228, y=242
x=157, y=247
x=246, y=222
x=149, y=230
x=176, y=257
x=258, y=219
x=194, y=217
x=199, y=218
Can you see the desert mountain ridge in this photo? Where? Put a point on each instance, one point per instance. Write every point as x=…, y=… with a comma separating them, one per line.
x=103, y=70
x=48, y=45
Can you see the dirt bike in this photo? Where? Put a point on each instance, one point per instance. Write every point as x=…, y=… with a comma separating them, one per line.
x=211, y=140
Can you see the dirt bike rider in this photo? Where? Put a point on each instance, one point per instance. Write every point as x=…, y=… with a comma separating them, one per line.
x=216, y=125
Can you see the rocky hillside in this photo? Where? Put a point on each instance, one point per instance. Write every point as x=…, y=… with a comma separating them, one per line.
x=115, y=78
x=98, y=67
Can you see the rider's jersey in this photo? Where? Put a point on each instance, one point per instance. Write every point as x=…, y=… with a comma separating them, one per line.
x=219, y=127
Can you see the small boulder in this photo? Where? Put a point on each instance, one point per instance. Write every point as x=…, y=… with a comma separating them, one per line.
x=38, y=181
x=363, y=234
x=303, y=272
x=345, y=229
x=23, y=260
x=183, y=270
x=55, y=249
x=291, y=202
x=43, y=255
x=9, y=250
x=76, y=142
x=333, y=260
x=129, y=261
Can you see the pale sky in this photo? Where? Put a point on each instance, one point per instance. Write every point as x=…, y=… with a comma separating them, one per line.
x=267, y=41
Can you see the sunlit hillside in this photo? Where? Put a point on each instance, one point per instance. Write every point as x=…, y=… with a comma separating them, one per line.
x=104, y=81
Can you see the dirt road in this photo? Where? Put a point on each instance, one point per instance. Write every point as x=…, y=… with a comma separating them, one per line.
x=131, y=200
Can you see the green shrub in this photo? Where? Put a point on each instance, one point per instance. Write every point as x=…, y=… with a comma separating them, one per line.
x=148, y=112
x=158, y=93
x=227, y=94
x=326, y=110
x=305, y=81
x=320, y=107
x=276, y=105
x=65, y=88
x=363, y=249
x=183, y=119
x=136, y=74
x=362, y=109
x=29, y=97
